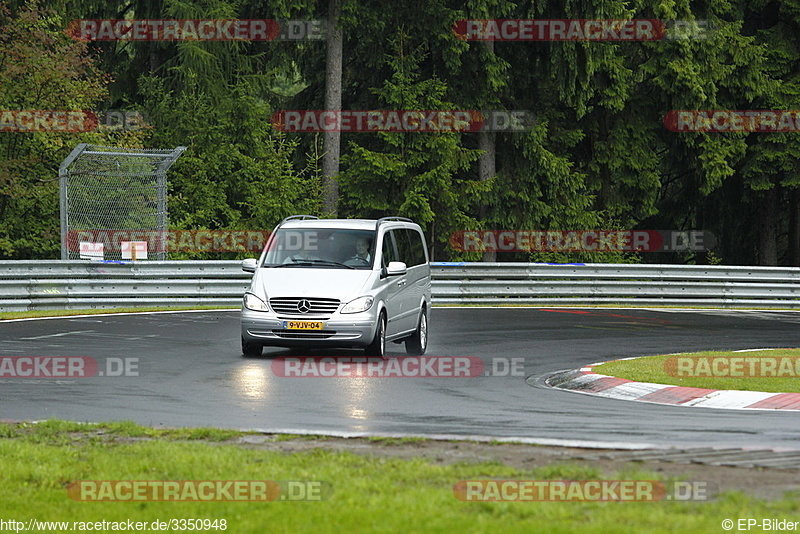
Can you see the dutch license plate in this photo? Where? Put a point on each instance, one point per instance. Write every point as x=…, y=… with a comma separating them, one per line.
x=303, y=325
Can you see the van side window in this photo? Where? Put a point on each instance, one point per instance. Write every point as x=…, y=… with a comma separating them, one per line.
x=410, y=246
x=403, y=246
x=417, y=248
x=388, y=251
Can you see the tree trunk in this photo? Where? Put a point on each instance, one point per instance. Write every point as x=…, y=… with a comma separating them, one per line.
x=333, y=101
x=768, y=228
x=487, y=166
x=794, y=228
x=486, y=170
x=154, y=59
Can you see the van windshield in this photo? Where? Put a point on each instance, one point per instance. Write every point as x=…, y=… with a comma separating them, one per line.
x=321, y=247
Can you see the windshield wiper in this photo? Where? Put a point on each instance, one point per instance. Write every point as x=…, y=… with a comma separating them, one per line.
x=311, y=263
x=294, y=264
x=329, y=262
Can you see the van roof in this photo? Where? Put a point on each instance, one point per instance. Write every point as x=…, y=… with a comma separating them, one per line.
x=347, y=224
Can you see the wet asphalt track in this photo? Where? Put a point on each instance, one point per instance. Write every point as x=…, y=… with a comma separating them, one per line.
x=191, y=373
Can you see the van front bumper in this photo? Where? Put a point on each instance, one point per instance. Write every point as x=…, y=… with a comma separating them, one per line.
x=351, y=330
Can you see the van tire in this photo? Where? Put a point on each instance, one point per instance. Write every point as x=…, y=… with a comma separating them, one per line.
x=418, y=342
x=251, y=349
x=378, y=345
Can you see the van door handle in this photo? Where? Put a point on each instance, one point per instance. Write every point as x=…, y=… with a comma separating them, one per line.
x=401, y=283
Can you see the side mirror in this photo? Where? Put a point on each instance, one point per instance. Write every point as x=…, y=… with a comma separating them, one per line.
x=249, y=265
x=396, y=268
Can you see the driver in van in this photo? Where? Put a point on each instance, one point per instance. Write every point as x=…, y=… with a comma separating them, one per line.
x=362, y=251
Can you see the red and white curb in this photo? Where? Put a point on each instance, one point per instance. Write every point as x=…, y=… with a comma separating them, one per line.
x=584, y=380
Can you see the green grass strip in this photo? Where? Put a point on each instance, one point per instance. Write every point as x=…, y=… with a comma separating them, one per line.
x=95, y=311
x=771, y=371
x=369, y=493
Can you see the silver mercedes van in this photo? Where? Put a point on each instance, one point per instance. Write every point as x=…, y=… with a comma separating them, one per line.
x=339, y=283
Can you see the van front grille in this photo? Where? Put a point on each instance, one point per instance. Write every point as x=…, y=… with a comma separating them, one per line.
x=304, y=305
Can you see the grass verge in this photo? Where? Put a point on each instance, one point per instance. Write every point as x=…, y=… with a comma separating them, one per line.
x=369, y=493
x=66, y=313
x=771, y=371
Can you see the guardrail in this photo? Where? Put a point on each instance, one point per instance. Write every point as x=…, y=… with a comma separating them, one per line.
x=59, y=284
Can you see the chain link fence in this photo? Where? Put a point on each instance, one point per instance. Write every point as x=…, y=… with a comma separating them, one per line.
x=109, y=191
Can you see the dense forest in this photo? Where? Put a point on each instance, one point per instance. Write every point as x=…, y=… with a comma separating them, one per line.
x=600, y=154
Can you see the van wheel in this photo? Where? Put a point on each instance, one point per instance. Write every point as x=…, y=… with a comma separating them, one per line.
x=251, y=349
x=417, y=343
x=378, y=345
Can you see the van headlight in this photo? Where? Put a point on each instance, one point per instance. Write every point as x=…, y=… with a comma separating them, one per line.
x=361, y=304
x=252, y=302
